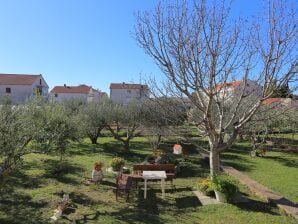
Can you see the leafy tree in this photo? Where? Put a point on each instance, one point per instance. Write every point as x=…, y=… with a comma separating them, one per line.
x=56, y=127
x=124, y=118
x=15, y=134
x=93, y=119
x=161, y=117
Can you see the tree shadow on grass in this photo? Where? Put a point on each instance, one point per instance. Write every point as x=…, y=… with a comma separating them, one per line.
x=257, y=206
x=283, y=160
x=87, y=218
x=20, y=208
x=115, y=149
x=84, y=149
x=187, y=202
x=141, y=210
x=192, y=170
x=61, y=173
x=237, y=161
x=21, y=180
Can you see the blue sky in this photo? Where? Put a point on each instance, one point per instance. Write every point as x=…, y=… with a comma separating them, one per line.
x=78, y=41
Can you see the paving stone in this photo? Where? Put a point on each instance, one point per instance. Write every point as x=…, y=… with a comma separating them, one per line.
x=204, y=199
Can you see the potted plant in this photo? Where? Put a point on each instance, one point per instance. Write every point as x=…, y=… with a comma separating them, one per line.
x=225, y=188
x=117, y=163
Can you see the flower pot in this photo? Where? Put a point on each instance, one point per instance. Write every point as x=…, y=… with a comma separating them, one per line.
x=220, y=197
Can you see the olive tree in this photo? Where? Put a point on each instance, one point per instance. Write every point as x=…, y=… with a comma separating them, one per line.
x=56, y=127
x=124, y=118
x=15, y=134
x=201, y=49
x=161, y=117
x=93, y=119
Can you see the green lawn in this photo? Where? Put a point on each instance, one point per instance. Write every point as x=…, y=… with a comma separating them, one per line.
x=31, y=194
x=277, y=170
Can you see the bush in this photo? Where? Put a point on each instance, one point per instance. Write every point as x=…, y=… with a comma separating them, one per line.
x=117, y=163
x=225, y=185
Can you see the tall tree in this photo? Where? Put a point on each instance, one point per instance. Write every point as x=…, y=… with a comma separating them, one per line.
x=201, y=49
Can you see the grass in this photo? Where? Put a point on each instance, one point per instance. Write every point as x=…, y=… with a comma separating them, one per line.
x=32, y=192
x=277, y=170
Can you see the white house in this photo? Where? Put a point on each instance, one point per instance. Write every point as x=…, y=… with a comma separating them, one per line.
x=82, y=92
x=123, y=93
x=235, y=88
x=19, y=88
x=281, y=103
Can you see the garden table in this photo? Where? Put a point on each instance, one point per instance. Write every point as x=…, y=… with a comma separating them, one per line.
x=154, y=175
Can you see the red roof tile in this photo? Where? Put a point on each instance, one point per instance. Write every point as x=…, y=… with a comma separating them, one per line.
x=72, y=89
x=127, y=86
x=228, y=84
x=18, y=79
x=270, y=101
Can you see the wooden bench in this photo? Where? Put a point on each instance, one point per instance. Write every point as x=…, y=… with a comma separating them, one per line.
x=168, y=168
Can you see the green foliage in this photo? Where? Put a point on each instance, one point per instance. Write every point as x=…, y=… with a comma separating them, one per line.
x=93, y=119
x=117, y=163
x=225, y=184
x=168, y=158
x=16, y=131
x=55, y=128
x=123, y=118
x=205, y=186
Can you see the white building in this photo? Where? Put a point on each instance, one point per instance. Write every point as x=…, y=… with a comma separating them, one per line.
x=281, y=103
x=123, y=93
x=19, y=88
x=236, y=88
x=82, y=92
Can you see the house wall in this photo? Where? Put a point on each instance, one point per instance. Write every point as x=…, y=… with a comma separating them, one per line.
x=69, y=96
x=123, y=96
x=21, y=93
x=93, y=96
x=252, y=88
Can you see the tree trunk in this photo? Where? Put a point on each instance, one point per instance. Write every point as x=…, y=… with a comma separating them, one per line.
x=93, y=140
x=126, y=145
x=214, y=162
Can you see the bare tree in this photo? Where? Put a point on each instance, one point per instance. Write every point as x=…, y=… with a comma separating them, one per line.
x=201, y=50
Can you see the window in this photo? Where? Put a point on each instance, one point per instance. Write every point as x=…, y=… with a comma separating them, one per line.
x=129, y=91
x=40, y=82
x=8, y=90
x=56, y=94
x=38, y=91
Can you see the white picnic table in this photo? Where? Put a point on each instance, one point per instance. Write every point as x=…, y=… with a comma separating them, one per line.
x=154, y=175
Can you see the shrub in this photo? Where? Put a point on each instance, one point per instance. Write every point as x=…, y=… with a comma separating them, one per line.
x=226, y=185
x=117, y=163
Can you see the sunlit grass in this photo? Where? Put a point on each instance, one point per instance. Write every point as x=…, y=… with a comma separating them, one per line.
x=32, y=192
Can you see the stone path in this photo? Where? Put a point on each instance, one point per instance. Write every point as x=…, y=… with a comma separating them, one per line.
x=205, y=200
x=288, y=206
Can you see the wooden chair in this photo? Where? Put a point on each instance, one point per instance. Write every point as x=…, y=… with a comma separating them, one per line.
x=124, y=184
